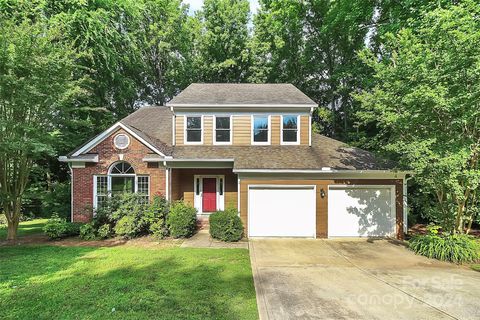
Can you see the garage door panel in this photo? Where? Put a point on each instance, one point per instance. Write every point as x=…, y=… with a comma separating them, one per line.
x=361, y=211
x=281, y=212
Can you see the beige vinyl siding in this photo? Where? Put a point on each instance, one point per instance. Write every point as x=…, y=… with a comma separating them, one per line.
x=242, y=130
x=179, y=123
x=304, y=130
x=275, y=124
x=208, y=130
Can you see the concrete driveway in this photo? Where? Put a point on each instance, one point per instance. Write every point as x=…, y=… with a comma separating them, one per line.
x=358, y=279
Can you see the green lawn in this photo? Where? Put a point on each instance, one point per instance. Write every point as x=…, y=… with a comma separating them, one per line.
x=25, y=228
x=53, y=282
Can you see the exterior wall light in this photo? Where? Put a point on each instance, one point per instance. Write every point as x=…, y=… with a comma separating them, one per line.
x=322, y=193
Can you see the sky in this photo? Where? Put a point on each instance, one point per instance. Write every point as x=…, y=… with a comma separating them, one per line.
x=197, y=4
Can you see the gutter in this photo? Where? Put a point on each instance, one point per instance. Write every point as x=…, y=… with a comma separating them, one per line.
x=70, y=160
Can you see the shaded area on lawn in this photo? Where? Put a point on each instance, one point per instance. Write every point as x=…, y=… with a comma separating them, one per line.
x=125, y=283
x=25, y=228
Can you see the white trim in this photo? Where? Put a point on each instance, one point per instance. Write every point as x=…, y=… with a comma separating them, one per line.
x=71, y=192
x=82, y=159
x=214, y=129
x=286, y=143
x=167, y=178
x=185, y=130
x=238, y=195
x=174, y=125
x=78, y=165
x=405, y=204
x=240, y=113
x=269, y=118
x=90, y=145
x=393, y=208
x=317, y=171
x=310, y=130
x=243, y=105
x=115, y=142
x=197, y=199
x=200, y=160
x=283, y=186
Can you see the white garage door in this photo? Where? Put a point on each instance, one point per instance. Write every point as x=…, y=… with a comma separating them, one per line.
x=361, y=211
x=281, y=211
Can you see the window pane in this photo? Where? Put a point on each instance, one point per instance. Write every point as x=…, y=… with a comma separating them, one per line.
x=290, y=135
x=123, y=184
x=142, y=185
x=102, y=185
x=260, y=135
x=222, y=136
x=222, y=122
x=101, y=200
x=194, y=122
x=260, y=122
x=194, y=135
x=290, y=122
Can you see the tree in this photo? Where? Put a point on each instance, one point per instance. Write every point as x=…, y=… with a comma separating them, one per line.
x=426, y=108
x=313, y=45
x=222, y=53
x=36, y=82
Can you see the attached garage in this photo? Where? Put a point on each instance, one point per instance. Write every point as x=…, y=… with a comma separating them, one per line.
x=361, y=211
x=281, y=211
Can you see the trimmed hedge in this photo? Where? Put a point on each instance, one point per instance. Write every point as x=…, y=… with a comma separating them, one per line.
x=58, y=228
x=182, y=220
x=226, y=225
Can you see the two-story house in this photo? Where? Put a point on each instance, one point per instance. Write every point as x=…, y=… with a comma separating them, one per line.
x=248, y=146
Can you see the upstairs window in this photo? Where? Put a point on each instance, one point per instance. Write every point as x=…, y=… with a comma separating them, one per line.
x=260, y=127
x=193, y=128
x=290, y=129
x=223, y=132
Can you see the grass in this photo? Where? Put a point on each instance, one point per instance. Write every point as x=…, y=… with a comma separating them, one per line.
x=25, y=228
x=44, y=282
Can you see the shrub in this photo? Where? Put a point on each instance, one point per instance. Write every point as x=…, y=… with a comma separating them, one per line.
x=87, y=232
x=181, y=220
x=454, y=248
x=156, y=217
x=57, y=228
x=56, y=200
x=127, y=227
x=226, y=225
x=105, y=231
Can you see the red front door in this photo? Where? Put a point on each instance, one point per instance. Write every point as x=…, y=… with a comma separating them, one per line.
x=209, y=199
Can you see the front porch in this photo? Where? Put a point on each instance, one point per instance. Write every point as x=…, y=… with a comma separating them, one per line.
x=208, y=190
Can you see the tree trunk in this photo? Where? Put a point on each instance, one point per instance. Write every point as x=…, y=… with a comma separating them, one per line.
x=12, y=229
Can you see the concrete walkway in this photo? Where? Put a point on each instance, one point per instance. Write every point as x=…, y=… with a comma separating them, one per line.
x=202, y=239
x=358, y=279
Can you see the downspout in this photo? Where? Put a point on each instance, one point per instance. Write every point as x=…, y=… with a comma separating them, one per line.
x=405, y=203
x=71, y=191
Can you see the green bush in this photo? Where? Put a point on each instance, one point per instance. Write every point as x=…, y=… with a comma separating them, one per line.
x=156, y=217
x=57, y=228
x=88, y=232
x=56, y=200
x=454, y=248
x=127, y=227
x=182, y=220
x=226, y=225
x=105, y=231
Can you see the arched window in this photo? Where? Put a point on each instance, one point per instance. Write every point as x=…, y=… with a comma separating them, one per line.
x=121, y=178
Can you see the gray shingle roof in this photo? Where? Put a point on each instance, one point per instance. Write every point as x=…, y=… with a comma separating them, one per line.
x=241, y=93
x=324, y=152
x=154, y=124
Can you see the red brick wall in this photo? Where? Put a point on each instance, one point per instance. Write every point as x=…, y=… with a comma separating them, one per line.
x=107, y=155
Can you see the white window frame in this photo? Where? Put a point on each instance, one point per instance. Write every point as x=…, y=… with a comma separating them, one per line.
x=185, y=140
x=197, y=199
x=252, y=130
x=109, y=184
x=298, y=130
x=115, y=141
x=215, y=142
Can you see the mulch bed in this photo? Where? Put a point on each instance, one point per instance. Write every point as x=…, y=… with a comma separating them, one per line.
x=422, y=229
x=142, y=242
